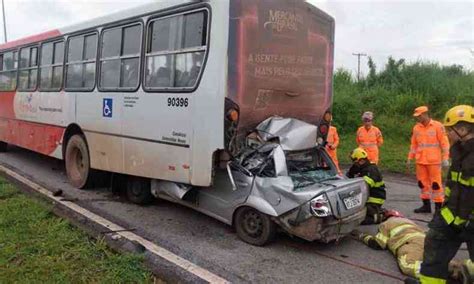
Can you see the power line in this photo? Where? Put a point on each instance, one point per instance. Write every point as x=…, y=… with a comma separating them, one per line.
x=358, y=63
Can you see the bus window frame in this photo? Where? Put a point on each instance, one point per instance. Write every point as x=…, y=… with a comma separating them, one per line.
x=29, y=68
x=140, y=56
x=13, y=50
x=52, y=65
x=206, y=49
x=66, y=63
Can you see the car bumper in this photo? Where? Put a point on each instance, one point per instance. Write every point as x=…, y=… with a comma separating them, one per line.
x=322, y=229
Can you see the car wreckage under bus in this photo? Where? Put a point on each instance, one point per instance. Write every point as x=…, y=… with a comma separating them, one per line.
x=282, y=179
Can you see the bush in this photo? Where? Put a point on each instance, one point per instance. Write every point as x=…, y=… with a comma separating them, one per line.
x=392, y=94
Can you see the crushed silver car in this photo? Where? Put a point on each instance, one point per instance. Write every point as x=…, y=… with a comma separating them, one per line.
x=282, y=178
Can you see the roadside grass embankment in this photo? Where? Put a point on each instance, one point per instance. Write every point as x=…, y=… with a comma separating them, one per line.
x=36, y=246
x=392, y=94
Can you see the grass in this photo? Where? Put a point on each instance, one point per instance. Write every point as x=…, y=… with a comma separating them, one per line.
x=392, y=94
x=393, y=153
x=36, y=246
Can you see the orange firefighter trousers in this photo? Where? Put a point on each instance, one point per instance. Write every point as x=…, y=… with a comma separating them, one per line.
x=429, y=181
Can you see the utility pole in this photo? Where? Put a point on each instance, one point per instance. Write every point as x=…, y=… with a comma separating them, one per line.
x=358, y=62
x=4, y=22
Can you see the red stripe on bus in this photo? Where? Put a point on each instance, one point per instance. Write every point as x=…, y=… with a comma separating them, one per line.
x=33, y=136
x=31, y=39
x=6, y=104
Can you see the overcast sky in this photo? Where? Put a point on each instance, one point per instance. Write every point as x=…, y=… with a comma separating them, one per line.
x=436, y=31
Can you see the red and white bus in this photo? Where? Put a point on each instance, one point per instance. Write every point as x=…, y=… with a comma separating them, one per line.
x=164, y=96
x=143, y=92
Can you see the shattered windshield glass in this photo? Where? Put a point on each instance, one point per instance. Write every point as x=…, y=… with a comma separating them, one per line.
x=308, y=167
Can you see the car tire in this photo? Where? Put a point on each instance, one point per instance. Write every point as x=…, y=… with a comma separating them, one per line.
x=3, y=147
x=77, y=159
x=138, y=190
x=254, y=227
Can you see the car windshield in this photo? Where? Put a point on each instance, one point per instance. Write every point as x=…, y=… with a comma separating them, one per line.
x=308, y=167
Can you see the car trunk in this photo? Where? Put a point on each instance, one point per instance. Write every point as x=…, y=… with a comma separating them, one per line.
x=343, y=193
x=280, y=60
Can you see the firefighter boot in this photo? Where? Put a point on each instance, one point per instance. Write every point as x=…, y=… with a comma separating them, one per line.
x=438, y=206
x=425, y=208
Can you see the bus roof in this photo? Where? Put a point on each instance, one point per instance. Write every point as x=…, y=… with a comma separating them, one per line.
x=99, y=21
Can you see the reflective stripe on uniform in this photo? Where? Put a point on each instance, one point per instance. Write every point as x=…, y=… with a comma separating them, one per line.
x=467, y=182
x=404, y=240
x=381, y=239
x=431, y=280
x=376, y=200
x=454, y=176
x=372, y=183
x=369, y=181
x=414, y=267
x=449, y=217
x=447, y=191
x=428, y=145
x=398, y=229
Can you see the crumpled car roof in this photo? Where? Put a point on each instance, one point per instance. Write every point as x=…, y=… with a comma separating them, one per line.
x=293, y=134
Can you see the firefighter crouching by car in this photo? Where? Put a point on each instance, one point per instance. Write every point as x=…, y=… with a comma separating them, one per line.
x=430, y=149
x=454, y=223
x=404, y=239
x=362, y=167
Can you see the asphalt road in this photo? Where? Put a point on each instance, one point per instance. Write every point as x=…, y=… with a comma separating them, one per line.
x=214, y=246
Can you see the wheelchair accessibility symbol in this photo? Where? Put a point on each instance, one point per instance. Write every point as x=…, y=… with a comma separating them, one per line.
x=107, y=108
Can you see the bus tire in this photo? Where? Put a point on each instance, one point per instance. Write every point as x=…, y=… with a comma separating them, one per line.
x=254, y=227
x=77, y=160
x=138, y=190
x=3, y=146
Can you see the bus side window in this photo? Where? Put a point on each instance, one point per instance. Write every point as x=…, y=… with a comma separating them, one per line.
x=176, y=50
x=80, y=64
x=120, y=57
x=8, y=71
x=28, y=71
x=51, y=66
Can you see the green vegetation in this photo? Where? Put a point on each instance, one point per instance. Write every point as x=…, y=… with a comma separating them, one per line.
x=392, y=94
x=36, y=246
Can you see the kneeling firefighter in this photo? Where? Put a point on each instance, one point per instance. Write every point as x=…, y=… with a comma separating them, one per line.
x=362, y=167
x=405, y=241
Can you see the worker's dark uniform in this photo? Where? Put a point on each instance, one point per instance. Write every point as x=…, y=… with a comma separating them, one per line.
x=372, y=176
x=454, y=223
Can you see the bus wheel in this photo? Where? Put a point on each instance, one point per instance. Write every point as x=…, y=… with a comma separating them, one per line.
x=139, y=190
x=254, y=227
x=3, y=146
x=77, y=158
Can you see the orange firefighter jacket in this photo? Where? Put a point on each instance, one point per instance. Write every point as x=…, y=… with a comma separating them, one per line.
x=429, y=144
x=333, y=141
x=370, y=140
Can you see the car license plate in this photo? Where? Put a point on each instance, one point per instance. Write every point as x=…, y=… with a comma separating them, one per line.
x=353, y=201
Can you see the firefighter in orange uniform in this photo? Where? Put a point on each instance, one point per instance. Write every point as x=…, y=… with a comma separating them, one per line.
x=332, y=143
x=430, y=149
x=369, y=137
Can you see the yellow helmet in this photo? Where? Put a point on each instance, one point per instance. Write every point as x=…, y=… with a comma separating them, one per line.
x=358, y=153
x=458, y=114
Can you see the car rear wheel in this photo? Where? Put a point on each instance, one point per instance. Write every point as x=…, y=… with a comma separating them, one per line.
x=139, y=190
x=77, y=158
x=3, y=146
x=254, y=227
